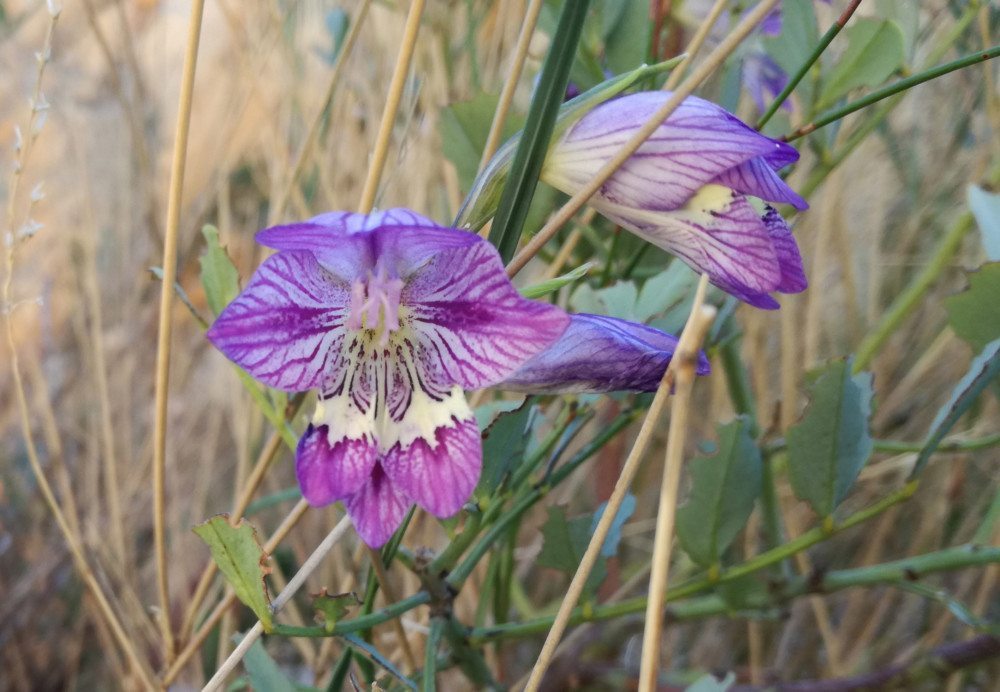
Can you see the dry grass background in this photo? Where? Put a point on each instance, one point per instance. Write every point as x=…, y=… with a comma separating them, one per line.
x=87, y=347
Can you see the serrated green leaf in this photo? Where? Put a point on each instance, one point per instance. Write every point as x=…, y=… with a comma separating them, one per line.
x=875, y=49
x=218, y=273
x=331, y=608
x=504, y=444
x=984, y=369
x=545, y=287
x=974, y=314
x=723, y=490
x=265, y=674
x=829, y=446
x=985, y=206
x=241, y=559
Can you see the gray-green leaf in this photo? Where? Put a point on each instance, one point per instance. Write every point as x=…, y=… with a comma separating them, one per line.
x=829, y=446
x=723, y=490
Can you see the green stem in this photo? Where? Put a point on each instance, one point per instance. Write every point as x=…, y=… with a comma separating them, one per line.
x=534, y=144
x=429, y=682
x=899, y=447
x=902, y=85
x=357, y=624
x=896, y=572
x=794, y=80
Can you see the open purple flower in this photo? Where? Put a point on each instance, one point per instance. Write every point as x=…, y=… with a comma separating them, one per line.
x=687, y=190
x=390, y=317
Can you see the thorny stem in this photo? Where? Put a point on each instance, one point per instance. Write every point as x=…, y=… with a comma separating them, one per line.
x=687, y=87
x=165, y=323
x=803, y=70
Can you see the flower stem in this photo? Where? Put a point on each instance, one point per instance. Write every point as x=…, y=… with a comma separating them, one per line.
x=902, y=85
x=429, y=681
x=794, y=80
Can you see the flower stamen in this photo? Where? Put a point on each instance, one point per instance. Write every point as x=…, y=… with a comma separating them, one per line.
x=375, y=304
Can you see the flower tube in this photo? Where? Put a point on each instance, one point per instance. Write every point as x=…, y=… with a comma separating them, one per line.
x=687, y=190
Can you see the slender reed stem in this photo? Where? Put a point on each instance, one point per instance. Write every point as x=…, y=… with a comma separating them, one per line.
x=629, y=469
x=390, y=596
x=687, y=87
x=697, y=41
x=902, y=85
x=296, y=582
x=165, y=325
x=278, y=207
x=510, y=84
x=429, y=678
x=381, y=150
x=794, y=80
x=686, y=357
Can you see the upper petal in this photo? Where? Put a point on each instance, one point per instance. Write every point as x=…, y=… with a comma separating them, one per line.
x=600, y=354
x=692, y=147
x=286, y=327
x=755, y=177
x=438, y=468
x=350, y=245
x=472, y=328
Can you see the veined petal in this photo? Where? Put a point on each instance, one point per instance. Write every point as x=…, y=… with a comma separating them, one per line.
x=600, y=354
x=471, y=327
x=286, y=327
x=337, y=453
x=377, y=509
x=718, y=233
x=793, y=276
x=696, y=143
x=438, y=454
x=755, y=177
x=351, y=245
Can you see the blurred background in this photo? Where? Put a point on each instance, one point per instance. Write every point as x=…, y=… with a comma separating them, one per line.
x=85, y=306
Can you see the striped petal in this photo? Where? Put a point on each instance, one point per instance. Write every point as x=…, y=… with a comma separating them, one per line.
x=351, y=245
x=718, y=232
x=600, y=354
x=471, y=327
x=755, y=177
x=336, y=454
x=438, y=454
x=697, y=143
x=378, y=508
x=286, y=327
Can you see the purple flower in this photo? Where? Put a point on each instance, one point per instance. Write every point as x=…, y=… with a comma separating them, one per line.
x=687, y=190
x=390, y=317
x=764, y=79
